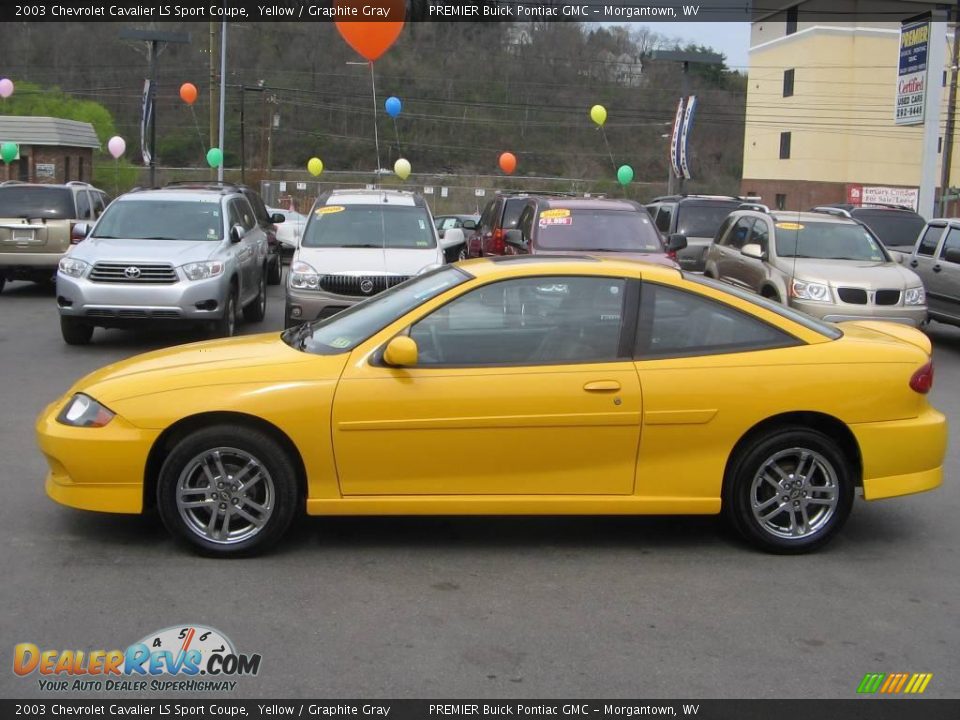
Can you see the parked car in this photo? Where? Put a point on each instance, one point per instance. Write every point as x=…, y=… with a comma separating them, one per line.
x=936, y=259
x=545, y=370
x=897, y=227
x=694, y=217
x=597, y=226
x=500, y=214
x=36, y=225
x=358, y=243
x=184, y=254
x=289, y=231
x=831, y=267
x=466, y=223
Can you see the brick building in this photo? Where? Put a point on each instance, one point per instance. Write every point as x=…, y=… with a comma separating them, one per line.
x=52, y=150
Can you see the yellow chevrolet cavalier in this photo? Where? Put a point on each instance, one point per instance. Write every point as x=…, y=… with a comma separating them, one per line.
x=524, y=385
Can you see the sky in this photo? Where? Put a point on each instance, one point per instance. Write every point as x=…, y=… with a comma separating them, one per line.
x=730, y=38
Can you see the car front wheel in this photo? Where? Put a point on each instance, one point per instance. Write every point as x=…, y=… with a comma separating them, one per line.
x=256, y=310
x=75, y=332
x=226, y=326
x=274, y=271
x=227, y=491
x=789, y=492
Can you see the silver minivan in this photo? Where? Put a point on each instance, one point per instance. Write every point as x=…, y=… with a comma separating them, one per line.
x=936, y=259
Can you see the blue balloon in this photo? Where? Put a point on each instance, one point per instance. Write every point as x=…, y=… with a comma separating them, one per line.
x=393, y=106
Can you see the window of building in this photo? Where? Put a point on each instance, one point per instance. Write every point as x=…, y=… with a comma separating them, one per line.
x=781, y=201
x=792, y=14
x=788, y=82
x=784, y=146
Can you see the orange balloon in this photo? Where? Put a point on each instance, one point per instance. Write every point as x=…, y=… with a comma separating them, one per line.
x=508, y=162
x=188, y=93
x=373, y=39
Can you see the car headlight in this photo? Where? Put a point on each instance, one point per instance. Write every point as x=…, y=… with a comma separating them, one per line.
x=72, y=267
x=202, y=270
x=84, y=411
x=914, y=296
x=303, y=276
x=818, y=292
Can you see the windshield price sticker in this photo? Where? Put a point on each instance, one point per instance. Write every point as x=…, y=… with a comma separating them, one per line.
x=789, y=226
x=329, y=209
x=555, y=213
x=545, y=222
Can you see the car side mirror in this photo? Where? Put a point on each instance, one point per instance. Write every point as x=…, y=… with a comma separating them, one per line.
x=451, y=238
x=952, y=255
x=752, y=250
x=514, y=236
x=236, y=233
x=79, y=232
x=277, y=218
x=469, y=225
x=401, y=351
x=676, y=241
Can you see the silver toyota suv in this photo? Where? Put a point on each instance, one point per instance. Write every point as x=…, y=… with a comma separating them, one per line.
x=183, y=254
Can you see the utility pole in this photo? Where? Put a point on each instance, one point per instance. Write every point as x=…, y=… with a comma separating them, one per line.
x=223, y=95
x=213, y=85
x=946, y=155
x=936, y=57
x=243, y=126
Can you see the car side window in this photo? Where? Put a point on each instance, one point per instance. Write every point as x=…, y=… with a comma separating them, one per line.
x=526, y=321
x=448, y=223
x=737, y=237
x=679, y=323
x=664, y=214
x=952, y=242
x=930, y=240
x=486, y=220
x=234, y=216
x=83, y=205
x=258, y=208
x=719, y=238
x=761, y=234
x=525, y=223
x=244, y=213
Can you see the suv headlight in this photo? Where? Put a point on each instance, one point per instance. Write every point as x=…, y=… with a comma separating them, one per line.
x=202, y=270
x=72, y=267
x=818, y=292
x=914, y=296
x=304, y=276
x=84, y=411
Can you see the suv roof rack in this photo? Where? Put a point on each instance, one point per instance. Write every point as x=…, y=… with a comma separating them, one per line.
x=756, y=206
x=13, y=182
x=78, y=182
x=694, y=196
x=223, y=187
x=835, y=210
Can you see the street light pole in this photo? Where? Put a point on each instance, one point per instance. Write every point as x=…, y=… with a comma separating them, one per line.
x=223, y=92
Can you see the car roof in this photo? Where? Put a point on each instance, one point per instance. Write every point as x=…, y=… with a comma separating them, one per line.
x=371, y=197
x=590, y=204
x=183, y=193
x=783, y=216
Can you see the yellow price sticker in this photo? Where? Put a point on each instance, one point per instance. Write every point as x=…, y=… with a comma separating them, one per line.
x=789, y=226
x=555, y=213
x=328, y=209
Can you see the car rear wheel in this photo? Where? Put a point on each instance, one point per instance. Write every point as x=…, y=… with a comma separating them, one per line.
x=274, y=271
x=227, y=491
x=75, y=332
x=255, y=311
x=226, y=326
x=790, y=491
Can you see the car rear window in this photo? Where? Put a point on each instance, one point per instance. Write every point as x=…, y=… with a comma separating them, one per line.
x=895, y=229
x=701, y=220
x=596, y=229
x=161, y=220
x=376, y=226
x=36, y=202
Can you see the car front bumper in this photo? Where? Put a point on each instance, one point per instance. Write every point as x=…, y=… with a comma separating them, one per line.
x=913, y=315
x=182, y=300
x=304, y=306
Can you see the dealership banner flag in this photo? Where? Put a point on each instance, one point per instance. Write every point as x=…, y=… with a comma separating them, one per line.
x=146, y=119
x=675, y=139
x=685, y=136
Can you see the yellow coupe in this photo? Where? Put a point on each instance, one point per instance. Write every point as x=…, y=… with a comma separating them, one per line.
x=523, y=386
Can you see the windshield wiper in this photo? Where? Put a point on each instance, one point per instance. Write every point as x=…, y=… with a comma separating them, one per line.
x=104, y=237
x=157, y=238
x=362, y=245
x=296, y=337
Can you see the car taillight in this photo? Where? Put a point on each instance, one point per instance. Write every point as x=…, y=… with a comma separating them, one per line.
x=499, y=241
x=922, y=379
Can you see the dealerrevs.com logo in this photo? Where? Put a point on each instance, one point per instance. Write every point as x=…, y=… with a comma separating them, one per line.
x=177, y=658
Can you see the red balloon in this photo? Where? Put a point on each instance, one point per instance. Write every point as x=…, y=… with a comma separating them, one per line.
x=188, y=93
x=373, y=39
x=508, y=162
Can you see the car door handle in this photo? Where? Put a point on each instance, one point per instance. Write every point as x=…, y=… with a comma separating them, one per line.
x=937, y=268
x=913, y=263
x=602, y=386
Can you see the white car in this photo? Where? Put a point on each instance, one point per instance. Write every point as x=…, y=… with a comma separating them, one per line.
x=357, y=243
x=290, y=230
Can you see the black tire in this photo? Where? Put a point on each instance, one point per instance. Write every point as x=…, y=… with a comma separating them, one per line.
x=3, y=281
x=273, y=498
x=797, y=499
x=255, y=311
x=463, y=253
x=226, y=326
x=74, y=331
x=274, y=271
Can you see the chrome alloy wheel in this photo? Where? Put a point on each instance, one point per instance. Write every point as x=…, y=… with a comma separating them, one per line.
x=225, y=495
x=794, y=493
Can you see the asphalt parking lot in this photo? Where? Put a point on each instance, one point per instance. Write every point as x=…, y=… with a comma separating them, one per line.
x=477, y=607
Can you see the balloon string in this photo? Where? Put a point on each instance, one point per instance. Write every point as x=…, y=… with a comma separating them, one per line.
x=203, y=148
x=609, y=152
x=116, y=176
x=397, y=132
x=376, y=135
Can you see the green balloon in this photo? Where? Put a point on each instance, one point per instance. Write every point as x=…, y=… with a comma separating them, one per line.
x=625, y=175
x=214, y=157
x=8, y=151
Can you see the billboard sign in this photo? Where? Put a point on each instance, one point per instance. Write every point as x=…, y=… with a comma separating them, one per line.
x=912, y=72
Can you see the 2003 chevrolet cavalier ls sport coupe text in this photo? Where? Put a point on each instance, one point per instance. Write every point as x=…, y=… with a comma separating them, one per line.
x=529, y=385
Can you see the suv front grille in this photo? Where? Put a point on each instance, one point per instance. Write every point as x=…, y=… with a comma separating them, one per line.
x=359, y=286
x=859, y=296
x=120, y=272
x=887, y=297
x=855, y=296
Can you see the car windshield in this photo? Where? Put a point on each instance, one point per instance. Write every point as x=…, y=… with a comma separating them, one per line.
x=347, y=329
x=367, y=226
x=25, y=201
x=613, y=230
x=895, y=229
x=701, y=220
x=828, y=241
x=161, y=220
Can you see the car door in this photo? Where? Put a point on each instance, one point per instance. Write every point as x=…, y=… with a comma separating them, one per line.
x=730, y=263
x=246, y=250
x=943, y=281
x=524, y=386
x=752, y=271
x=924, y=255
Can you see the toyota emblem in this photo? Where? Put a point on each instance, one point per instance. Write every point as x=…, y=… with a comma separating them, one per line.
x=132, y=272
x=366, y=286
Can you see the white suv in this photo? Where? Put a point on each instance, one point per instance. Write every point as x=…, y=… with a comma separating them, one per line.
x=356, y=244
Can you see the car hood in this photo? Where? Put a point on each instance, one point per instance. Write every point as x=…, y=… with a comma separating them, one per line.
x=251, y=359
x=369, y=261
x=177, y=252
x=851, y=273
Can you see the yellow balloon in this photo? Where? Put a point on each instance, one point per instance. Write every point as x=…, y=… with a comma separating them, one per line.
x=598, y=113
x=315, y=166
x=402, y=168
